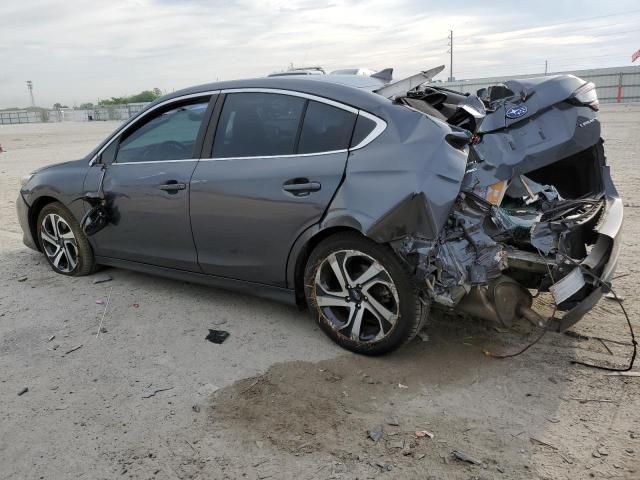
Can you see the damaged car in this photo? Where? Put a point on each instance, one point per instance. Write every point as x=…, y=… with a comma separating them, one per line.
x=370, y=203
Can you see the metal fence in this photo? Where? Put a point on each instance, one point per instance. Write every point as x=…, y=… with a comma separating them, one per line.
x=614, y=85
x=22, y=116
x=115, y=112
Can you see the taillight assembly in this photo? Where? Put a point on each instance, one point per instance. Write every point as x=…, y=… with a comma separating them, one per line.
x=586, y=96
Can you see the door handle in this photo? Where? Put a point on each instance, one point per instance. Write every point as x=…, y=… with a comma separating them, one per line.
x=172, y=186
x=301, y=186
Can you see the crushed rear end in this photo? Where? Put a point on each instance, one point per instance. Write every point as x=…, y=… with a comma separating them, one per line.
x=537, y=210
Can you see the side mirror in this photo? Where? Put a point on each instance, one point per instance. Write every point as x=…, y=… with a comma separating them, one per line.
x=108, y=155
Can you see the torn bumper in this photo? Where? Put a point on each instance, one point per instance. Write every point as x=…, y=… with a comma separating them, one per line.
x=601, y=260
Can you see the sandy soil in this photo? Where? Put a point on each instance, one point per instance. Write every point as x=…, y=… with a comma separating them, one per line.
x=277, y=399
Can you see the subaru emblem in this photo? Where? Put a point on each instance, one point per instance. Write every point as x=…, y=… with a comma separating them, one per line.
x=517, y=112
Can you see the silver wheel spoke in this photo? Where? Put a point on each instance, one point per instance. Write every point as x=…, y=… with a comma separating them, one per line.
x=48, y=238
x=355, y=321
x=338, y=272
x=374, y=269
x=58, y=257
x=53, y=219
x=59, y=243
x=69, y=251
x=356, y=296
x=379, y=310
x=331, y=301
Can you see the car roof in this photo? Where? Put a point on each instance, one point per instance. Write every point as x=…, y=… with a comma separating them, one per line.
x=353, y=90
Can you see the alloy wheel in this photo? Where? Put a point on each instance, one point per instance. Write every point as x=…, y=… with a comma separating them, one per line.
x=356, y=295
x=59, y=243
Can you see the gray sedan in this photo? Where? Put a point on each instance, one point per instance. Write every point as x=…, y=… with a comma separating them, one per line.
x=367, y=203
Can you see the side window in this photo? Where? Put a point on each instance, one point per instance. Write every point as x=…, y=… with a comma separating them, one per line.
x=364, y=127
x=169, y=136
x=325, y=128
x=258, y=124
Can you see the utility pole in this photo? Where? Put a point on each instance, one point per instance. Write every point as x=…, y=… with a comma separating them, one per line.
x=546, y=64
x=30, y=87
x=451, y=55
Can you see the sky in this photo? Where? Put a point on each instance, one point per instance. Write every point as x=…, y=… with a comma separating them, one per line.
x=77, y=51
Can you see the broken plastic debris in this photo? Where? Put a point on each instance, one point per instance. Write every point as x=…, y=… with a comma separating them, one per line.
x=424, y=433
x=393, y=421
x=611, y=296
x=375, y=433
x=99, y=302
x=77, y=347
x=101, y=278
x=493, y=193
x=217, y=336
x=567, y=286
x=400, y=385
x=465, y=457
x=150, y=392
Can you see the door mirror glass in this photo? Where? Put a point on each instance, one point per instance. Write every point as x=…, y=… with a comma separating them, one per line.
x=108, y=155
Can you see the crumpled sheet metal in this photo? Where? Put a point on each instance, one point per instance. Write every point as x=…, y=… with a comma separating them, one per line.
x=422, y=178
x=532, y=144
x=464, y=255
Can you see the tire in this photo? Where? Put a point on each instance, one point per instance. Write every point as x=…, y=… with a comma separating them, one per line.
x=63, y=243
x=380, y=313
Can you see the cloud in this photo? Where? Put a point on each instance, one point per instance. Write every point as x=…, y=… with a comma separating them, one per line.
x=81, y=50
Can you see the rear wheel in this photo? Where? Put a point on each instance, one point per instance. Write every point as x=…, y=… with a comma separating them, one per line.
x=64, y=244
x=361, y=295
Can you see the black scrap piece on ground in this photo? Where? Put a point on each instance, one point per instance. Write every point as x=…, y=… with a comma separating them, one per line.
x=217, y=336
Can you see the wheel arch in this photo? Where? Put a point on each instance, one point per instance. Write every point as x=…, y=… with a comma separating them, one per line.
x=34, y=211
x=300, y=254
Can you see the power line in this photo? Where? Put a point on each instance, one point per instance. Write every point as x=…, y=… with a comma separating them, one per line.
x=30, y=87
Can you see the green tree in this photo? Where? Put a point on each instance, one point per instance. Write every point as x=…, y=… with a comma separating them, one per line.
x=144, y=96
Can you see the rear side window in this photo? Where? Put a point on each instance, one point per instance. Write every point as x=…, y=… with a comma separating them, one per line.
x=258, y=124
x=364, y=127
x=325, y=128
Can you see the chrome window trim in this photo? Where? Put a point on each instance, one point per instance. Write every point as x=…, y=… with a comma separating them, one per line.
x=293, y=93
x=381, y=125
x=136, y=118
x=156, y=161
x=291, y=155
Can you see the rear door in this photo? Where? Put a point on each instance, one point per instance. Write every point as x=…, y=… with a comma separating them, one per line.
x=276, y=162
x=147, y=185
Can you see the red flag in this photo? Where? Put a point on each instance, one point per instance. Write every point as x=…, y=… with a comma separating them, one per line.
x=635, y=56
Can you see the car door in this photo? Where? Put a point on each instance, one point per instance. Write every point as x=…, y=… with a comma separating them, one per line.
x=149, y=167
x=276, y=162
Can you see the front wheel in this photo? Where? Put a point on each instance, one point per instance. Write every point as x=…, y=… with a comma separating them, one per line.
x=361, y=295
x=63, y=242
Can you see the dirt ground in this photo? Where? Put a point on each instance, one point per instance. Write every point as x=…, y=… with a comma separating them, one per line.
x=149, y=398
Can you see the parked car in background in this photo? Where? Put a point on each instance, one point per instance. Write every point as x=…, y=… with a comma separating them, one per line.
x=354, y=71
x=299, y=71
x=369, y=203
